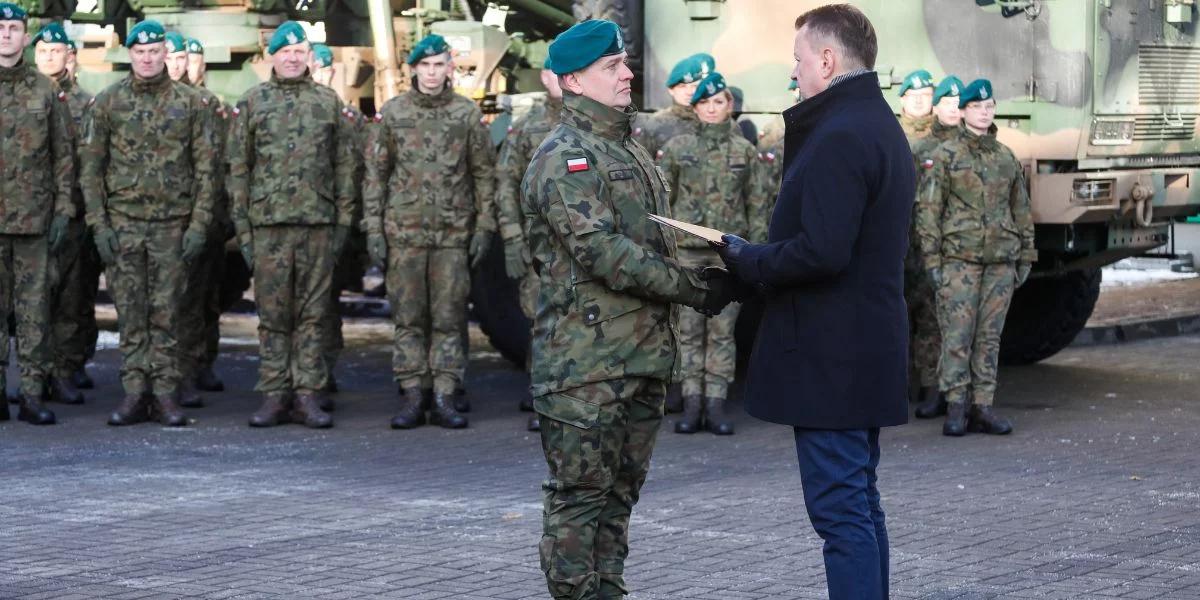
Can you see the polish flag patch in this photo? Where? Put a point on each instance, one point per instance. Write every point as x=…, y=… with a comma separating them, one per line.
x=928, y=164
x=575, y=165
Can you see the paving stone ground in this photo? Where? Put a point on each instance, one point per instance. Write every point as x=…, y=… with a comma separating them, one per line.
x=1096, y=495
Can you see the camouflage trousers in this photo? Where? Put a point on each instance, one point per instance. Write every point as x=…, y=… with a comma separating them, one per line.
x=24, y=294
x=597, y=440
x=200, y=312
x=972, y=303
x=347, y=268
x=707, y=348
x=427, y=289
x=925, y=338
x=293, y=273
x=528, y=289
x=147, y=284
x=75, y=277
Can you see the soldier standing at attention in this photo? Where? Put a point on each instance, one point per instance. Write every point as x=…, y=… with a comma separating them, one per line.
x=925, y=343
x=291, y=171
x=75, y=269
x=515, y=155
x=717, y=181
x=976, y=236
x=200, y=312
x=604, y=344
x=657, y=129
x=429, y=219
x=148, y=159
x=38, y=161
x=916, y=104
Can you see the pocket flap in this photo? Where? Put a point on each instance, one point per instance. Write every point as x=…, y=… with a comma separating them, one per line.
x=597, y=303
x=567, y=409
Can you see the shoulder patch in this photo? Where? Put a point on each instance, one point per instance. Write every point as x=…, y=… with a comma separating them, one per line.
x=378, y=117
x=620, y=174
x=927, y=163
x=62, y=96
x=204, y=100
x=575, y=165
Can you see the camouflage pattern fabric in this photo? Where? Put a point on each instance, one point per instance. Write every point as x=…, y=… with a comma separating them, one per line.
x=351, y=264
x=598, y=452
x=38, y=162
x=972, y=304
x=293, y=272
x=654, y=131
x=430, y=178
x=24, y=291
x=424, y=286
x=916, y=128
x=707, y=348
x=147, y=287
x=292, y=162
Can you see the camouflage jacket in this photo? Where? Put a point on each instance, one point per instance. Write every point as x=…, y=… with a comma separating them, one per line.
x=148, y=152
x=607, y=273
x=717, y=181
x=972, y=204
x=291, y=157
x=525, y=137
x=916, y=128
x=37, y=163
x=78, y=101
x=922, y=149
x=220, y=119
x=360, y=122
x=654, y=131
x=430, y=171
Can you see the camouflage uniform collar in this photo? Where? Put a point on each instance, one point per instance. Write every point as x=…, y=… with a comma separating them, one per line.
x=15, y=72
x=586, y=114
x=716, y=131
x=554, y=108
x=64, y=80
x=424, y=100
x=976, y=141
x=918, y=124
x=150, y=85
x=940, y=129
x=680, y=111
x=280, y=81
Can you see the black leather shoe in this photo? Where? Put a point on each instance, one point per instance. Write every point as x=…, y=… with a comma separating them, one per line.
x=64, y=392
x=526, y=404
x=983, y=420
x=461, y=403
x=190, y=399
x=715, y=420
x=534, y=423
x=410, y=415
x=82, y=380
x=931, y=403
x=207, y=381
x=956, y=420
x=168, y=411
x=307, y=410
x=444, y=413
x=33, y=412
x=132, y=410
x=275, y=410
x=689, y=421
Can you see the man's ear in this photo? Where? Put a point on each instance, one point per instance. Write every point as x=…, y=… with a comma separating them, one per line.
x=571, y=82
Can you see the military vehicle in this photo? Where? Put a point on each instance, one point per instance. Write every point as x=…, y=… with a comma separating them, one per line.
x=1098, y=98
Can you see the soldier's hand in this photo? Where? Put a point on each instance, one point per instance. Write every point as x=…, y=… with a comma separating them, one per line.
x=193, y=245
x=1023, y=269
x=58, y=232
x=341, y=234
x=248, y=254
x=377, y=249
x=722, y=289
x=515, y=258
x=480, y=242
x=731, y=252
x=107, y=245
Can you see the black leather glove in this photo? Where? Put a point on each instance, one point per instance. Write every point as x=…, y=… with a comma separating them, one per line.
x=722, y=289
x=731, y=252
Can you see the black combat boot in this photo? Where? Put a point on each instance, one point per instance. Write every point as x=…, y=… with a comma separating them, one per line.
x=412, y=412
x=131, y=410
x=674, y=401
x=526, y=404
x=445, y=414
x=170, y=414
x=82, y=380
x=33, y=412
x=207, y=381
x=714, y=417
x=461, y=403
x=534, y=423
x=956, y=419
x=307, y=410
x=190, y=399
x=63, y=391
x=931, y=403
x=325, y=401
x=983, y=420
x=689, y=422
x=275, y=410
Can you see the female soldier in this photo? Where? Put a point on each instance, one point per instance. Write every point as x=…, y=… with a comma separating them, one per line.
x=716, y=181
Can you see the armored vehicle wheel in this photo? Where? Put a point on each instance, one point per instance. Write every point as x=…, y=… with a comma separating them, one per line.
x=496, y=307
x=1046, y=315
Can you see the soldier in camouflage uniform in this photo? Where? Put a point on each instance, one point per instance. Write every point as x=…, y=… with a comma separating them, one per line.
x=976, y=235
x=717, y=181
x=291, y=181
x=925, y=343
x=38, y=166
x=654, y=130
x=428, y=203
x=200, y=312
x=75, y=273
x=146, y=139
x=770, y=153
x=916, y=105
x=525, y=137
x=604, y=344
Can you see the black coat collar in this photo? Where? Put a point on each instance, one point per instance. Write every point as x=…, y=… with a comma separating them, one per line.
x=802, y=118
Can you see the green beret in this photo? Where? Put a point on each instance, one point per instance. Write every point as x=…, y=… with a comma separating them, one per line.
x=52, y=33
x=146, y=32
x=175, y=42
x=322, y=54
x=289, y=33
x=710, y=86
x=432, y=45
x=980, y=89
x=688, y=70
x=583, y=44
x=194, y=46
x=12, y=12
x=950, y=86
x=917, y=80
